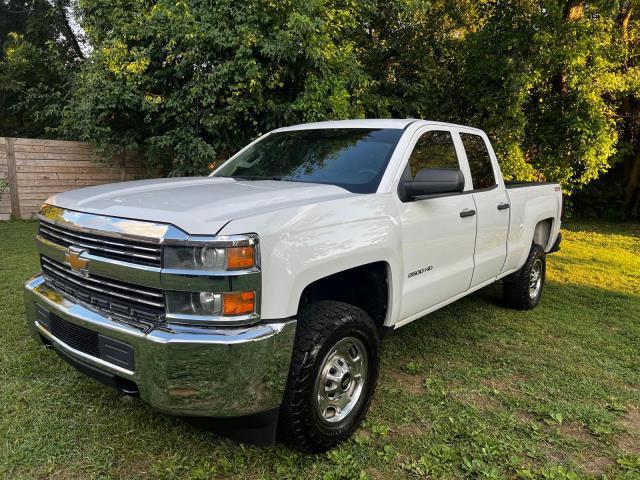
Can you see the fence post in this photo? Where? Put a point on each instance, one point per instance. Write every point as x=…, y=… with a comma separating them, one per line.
x=12, y=178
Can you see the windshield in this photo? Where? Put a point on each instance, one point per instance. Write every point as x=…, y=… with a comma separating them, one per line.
x=354, y=159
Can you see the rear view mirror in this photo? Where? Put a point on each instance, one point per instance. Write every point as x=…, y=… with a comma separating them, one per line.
x=431, y=181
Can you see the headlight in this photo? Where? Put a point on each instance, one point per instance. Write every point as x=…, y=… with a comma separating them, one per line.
x=219, y=254
x=209, y=307
x=207, y=267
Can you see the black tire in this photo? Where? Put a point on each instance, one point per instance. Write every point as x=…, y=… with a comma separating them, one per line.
x=516, y=287
x=321, y=326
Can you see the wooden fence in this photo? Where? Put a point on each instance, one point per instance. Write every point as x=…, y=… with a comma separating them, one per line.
x=31, y=170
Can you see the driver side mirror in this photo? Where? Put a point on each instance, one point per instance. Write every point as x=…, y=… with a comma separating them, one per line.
x=431, y=181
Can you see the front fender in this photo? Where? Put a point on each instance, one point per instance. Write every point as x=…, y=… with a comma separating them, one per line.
x=301, y=245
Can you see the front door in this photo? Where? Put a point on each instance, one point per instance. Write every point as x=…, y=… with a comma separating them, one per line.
x=437, y=241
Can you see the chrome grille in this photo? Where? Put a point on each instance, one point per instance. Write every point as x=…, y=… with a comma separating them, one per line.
x=135, y=304
x=132, y=251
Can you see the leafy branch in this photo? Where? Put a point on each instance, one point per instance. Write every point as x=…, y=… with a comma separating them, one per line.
x=3, y=186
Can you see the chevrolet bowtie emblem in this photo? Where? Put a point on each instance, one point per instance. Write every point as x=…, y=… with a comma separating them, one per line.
x=72, y=258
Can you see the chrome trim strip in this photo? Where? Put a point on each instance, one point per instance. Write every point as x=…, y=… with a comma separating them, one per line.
x=81, y=281
x=49, y=249
x=69, y=349
x=105, y=267
x=195, y=281
x=59, y=268
x=49, y=226
x=187, y=334
x=124, y=228
x=142, y=275
x=217, y=321
x=208, y=273
x=69, y=237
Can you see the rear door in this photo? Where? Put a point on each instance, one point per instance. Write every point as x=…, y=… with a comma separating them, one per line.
x=492, y=206
x=437, y=243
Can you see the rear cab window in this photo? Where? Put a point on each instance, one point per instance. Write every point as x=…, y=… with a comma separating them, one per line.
x=480, y=165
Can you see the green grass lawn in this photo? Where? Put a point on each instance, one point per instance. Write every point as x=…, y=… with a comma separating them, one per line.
x=474, y=390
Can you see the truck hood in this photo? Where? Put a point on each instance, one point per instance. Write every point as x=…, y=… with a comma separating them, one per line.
x=197, y=205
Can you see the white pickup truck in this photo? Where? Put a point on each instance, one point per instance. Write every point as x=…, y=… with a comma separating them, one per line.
x=260, y=293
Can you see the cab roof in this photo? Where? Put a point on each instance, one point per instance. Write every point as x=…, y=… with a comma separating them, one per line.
x=399, y=123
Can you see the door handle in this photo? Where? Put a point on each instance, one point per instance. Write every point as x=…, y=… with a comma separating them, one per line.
x=467, y=213
x=503, y=206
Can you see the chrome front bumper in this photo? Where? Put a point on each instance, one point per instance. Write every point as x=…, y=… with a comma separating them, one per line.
x=225, y=372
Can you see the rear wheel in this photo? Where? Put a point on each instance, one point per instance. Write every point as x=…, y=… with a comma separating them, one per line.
x=522, y=290
x=332, y=377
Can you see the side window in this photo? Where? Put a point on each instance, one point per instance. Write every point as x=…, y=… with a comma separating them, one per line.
x=479, y=161
x=434, y=149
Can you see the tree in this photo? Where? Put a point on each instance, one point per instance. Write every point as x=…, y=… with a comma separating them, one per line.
x=536, y=75
x=39, y=54
x=200, y=79
x=554, y=82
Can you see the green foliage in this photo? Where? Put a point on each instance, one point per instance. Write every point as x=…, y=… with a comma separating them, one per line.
x=413, y=367
x=37, y=59
x=202, y=79
x=555, y=84
x=3, y=186
x=542, y=85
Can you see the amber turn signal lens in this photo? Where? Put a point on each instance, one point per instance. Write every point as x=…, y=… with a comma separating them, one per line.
x=238, y=303
x=240, y=258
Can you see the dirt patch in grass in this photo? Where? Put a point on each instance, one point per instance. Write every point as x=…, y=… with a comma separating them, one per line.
x=578, y=432
x=629, y=441
x=504, y=384
x=594, y=465
x=477, y=400
x=376, y=474
x=141, y=464
x=410, y=430
x=588, y=455
x=413, y=384
x=524, y=417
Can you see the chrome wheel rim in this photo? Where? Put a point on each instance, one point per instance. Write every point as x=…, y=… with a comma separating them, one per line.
x=535, y=279
x=341, y=380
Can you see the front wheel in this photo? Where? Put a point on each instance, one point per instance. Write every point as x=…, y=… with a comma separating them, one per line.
x=522, y=290
x=332, y=378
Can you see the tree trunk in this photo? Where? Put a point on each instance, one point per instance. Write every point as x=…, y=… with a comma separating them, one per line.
x=630, y=121
x=70, y=35
x=632, y=190
x=572, y=12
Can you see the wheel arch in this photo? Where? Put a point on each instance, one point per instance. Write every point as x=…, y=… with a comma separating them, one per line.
x=542, y=233
x=367, y=286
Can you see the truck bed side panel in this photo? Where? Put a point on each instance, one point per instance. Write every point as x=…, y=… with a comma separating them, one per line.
x=530, y=205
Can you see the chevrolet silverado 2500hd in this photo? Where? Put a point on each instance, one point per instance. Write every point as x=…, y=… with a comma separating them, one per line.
x=261, y=291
